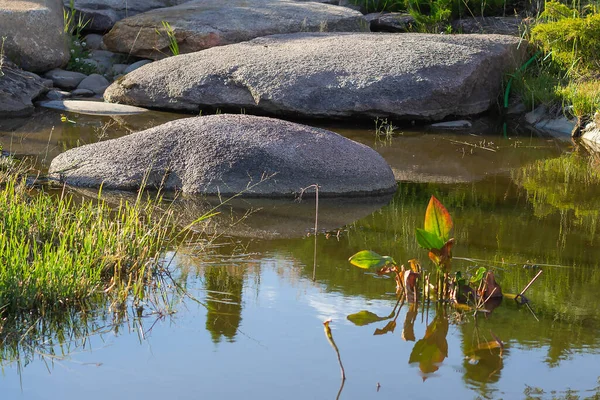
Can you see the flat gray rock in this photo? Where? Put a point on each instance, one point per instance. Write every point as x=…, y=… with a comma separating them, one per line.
x=57, y=95
x=391, y=22
x=82, y=93
x=135, y=66
x=17, y=89
x=332, y=75
x=95, y=83
x=33, y=29
x=92, y=107
x=202, y=24
x=229, y=154
x=65, y=79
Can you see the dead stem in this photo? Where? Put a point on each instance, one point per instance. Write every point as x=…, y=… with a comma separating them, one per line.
x=329, y=336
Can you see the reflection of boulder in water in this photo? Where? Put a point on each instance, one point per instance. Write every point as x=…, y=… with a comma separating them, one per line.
x=224, y=291
x=276, y=218
x=260, y=217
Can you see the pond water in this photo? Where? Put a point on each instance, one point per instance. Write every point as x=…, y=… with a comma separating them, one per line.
x=258, y=332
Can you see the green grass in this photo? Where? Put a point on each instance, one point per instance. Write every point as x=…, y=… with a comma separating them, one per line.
x=570, y=39
x=74, y=24
x=60, y=251
x=170, y=32
x=566, y=76
x=435, y=15
x=584, y=97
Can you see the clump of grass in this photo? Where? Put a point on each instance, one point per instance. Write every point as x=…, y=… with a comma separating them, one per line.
x=583, y=97
x=571, y=38
x=56, y=251
x=435, y=15
x=565, y=77
x=74, y=24
x=173, y=44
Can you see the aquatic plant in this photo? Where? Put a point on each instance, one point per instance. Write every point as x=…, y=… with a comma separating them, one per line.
x=62, y=251
x=436, y=238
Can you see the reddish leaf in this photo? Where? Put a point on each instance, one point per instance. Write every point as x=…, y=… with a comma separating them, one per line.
x=389, y=327
x=438, y=220
x=490, y=289
x=442, y=257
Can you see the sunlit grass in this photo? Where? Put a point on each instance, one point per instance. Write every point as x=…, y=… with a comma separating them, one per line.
x=58, y=251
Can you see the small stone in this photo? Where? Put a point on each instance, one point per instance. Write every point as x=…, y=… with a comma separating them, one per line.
x=65, y=79
x=48, y=83
x=536, y=115
x=93, y=41
x=119, y=69
x=136, y=65
x=95, y=82
x=559, y=128
x=516, y=109
x=93, y=64
x=82, y=93
x=57, y=95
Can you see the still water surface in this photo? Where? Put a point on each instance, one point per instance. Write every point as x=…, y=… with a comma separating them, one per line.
x=259, y=334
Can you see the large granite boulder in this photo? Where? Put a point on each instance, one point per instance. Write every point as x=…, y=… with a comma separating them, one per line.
x=229, y=154
x=35, y=38
x=103, y=14
x=202, y=24
x=17, y=89
x=331, y=75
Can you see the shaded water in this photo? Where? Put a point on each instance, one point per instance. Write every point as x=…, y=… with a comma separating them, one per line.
x=259, y=333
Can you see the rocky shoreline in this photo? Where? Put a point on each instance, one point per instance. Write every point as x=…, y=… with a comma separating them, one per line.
x=281, y=58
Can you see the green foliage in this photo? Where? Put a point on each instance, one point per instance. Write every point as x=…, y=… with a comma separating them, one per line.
x=56, y=252
x=555, y=11
x=436, y=15
x=438, y=220
x=367, y=259
x=430, y=15
x=168, y=30
x=74, y=24
x=380, y=5
x=567, y=75
x=584, y=97
x=428, y=240
x=478, y=276
x=573, y=41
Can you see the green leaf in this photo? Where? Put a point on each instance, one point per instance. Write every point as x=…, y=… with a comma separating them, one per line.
x=438, y=220
x=368, y=259
x=429, y=240
x=431, y=351
x=478, y=276
x=365, y=317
